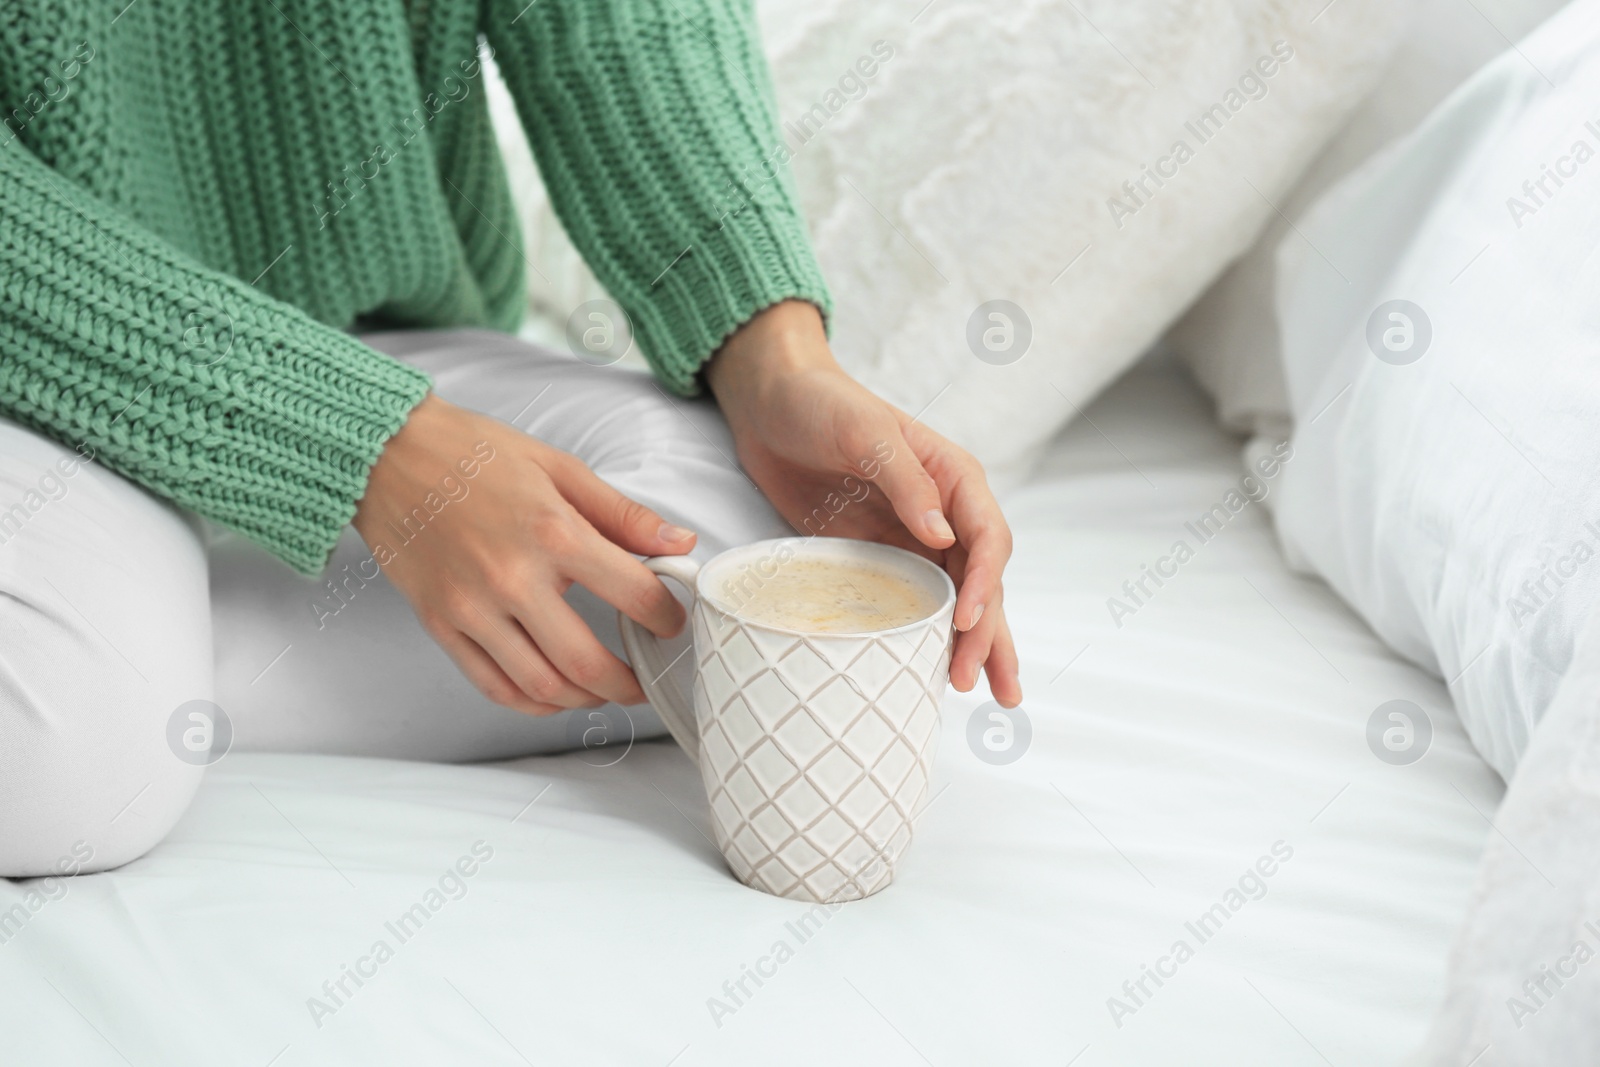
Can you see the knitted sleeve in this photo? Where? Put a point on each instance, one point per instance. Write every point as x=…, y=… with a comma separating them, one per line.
x=655, y=131
x=191, y=383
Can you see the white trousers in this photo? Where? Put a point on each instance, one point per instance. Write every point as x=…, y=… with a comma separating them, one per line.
x=118, y=612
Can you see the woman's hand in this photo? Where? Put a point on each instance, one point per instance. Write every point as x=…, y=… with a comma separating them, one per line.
x=484, y=528
x=810, y=436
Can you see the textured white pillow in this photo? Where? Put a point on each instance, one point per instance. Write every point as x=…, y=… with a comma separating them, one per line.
x=985, y=158
x=1229, y=338
x=1446, y=472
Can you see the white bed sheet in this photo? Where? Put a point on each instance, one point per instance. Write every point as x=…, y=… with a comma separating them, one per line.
x=1168, y=755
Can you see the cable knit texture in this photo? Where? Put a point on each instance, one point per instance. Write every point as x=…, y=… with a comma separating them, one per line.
x=198, y=196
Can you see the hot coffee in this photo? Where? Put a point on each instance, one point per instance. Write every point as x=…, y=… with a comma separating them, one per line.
x=831, y=596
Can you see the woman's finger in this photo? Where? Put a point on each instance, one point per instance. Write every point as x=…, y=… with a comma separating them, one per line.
x=914, y=495
x=1002, y=666
x=627, y=585
x=973, y=649
x=575, y=651
x=518, y=657
x=620, y=519
x=486, y=676
x=1001, y=662
x=987, y=541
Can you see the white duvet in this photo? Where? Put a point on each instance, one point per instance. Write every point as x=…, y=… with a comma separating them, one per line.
x=1439, y=326
x=1198, y=777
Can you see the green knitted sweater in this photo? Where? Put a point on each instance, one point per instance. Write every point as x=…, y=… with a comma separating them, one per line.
x=197, y=198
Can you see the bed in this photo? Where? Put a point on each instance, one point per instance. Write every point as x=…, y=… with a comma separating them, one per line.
x=1207, y=748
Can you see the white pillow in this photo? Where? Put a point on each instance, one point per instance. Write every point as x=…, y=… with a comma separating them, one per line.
x=980, y=161
x=1446, y=472
x=1229, y=338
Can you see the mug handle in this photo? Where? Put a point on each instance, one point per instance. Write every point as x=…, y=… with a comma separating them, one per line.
x=649, y=660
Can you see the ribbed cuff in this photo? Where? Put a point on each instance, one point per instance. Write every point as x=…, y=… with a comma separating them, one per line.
x=291, y=443
x=755, y=260
x=188, y=382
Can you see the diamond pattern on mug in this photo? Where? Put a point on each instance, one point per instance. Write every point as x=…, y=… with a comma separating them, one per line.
x=772, y=697
x=801, y=856
x=874, y=667
x=776, y=874
x=748, y=844
x=827, y=882
x=831, y=833
x=863, y=803
x=771, y=645
x=746, y=794
x=801, y=804
x=717, y=752
x=724, y=810
x=771, y=769
x=931, y=653
x=739, y=655
x=806, y=668
x=739, y=723
x=861, y=859
x=912, y=790
x=838, y=693
x=801, y=737
x=771, y=827
x=905, y=691
x=890, y=826
x=869, y=738
x=834, y=773
x=893, y=766
x=717, y=677
x=922, y=729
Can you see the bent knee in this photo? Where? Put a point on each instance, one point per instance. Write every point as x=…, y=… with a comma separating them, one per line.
x=97, y=767
x=75, y=802
x=105, y=631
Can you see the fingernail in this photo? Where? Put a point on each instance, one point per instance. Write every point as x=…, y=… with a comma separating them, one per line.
x=669, y=532
x=977, y=613
x=937, y=524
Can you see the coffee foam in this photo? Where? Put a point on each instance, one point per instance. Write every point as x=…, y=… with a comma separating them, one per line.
x=827, y=596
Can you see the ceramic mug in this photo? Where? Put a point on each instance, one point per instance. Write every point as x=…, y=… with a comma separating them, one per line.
x=815, y=748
